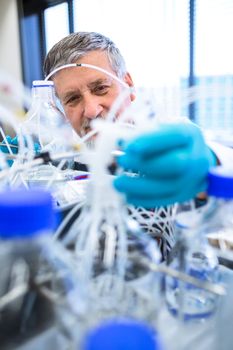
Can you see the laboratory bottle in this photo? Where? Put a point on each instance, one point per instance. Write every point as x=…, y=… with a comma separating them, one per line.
x=220, y=214
x=37, y=277
x=220, y=208
x=122, y=334
x=195, y=257
x=114, y=253
x=45, y=121
x=114, y=260
x=48, y=130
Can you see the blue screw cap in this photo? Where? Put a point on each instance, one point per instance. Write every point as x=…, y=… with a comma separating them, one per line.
x=220, y=182
x=122, y=334
x=25, y=213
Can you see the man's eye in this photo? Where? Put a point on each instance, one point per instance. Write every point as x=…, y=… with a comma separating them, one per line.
x=73, y=99
x=101, y=89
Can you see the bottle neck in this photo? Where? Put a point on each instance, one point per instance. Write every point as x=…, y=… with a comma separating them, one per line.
x=44, y=93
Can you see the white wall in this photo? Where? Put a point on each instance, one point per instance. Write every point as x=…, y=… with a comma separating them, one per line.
x=10, y=60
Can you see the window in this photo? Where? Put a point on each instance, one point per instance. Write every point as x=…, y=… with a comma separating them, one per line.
x=152, y=35
x=42, y=24
x=213, y=61
x=179, y=42
x=54, y=32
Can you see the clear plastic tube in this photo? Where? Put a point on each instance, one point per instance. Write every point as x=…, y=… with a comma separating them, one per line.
x=70, y=65
x=65, y=221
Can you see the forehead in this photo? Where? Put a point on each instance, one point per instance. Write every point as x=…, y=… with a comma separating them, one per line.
x=80, y=77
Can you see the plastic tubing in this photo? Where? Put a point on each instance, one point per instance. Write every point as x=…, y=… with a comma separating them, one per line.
x=24, y=135
x=69, y=65
x=67, y=219
x=117, y=103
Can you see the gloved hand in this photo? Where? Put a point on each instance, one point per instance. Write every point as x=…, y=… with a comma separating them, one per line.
x=11, y=141
x=14, y=142
x=172, y=164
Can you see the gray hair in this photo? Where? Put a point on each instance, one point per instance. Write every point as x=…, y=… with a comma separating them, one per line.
x=77, y=45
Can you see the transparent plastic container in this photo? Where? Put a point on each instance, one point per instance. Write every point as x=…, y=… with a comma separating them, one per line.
x=113, y=253
x=220, y=235
x=37, y=282
x=196, y=258
x=44, y=121
x=119, y=282
x=220, y=212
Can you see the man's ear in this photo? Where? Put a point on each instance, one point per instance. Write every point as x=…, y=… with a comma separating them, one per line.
x=129, y=81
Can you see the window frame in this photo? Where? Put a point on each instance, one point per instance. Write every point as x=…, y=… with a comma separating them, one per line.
x=32, y=35
x=36, y=8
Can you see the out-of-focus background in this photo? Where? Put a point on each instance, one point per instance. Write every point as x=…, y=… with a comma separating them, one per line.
x=183, y=42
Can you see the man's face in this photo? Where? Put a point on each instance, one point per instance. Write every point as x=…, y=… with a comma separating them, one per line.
x=86, y=93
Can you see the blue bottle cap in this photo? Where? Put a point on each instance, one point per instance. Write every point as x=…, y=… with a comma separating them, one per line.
x=220, y=182
x=122, y=334
x=25, y=213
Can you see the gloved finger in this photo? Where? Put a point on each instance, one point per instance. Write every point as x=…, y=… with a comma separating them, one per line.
x=167, y=136
x=153, y=185
x=150, y=203
x=5, y=149
x=144, y=187
x=166, y=165
x=37, y=148
x=141, y=190
x=14, y=141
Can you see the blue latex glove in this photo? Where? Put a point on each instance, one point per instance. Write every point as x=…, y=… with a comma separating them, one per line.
x=171, y=162
x=11, y=141
x=14, y=142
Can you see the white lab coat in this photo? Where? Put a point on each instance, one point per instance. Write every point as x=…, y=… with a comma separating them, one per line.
x=223, y=153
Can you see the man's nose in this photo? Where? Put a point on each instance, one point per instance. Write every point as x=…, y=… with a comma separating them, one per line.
x=91, y=106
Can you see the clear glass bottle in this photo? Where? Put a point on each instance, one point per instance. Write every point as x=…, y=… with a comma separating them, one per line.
x=37, y=278
x=44, y=121
x=197, y=258
x=46, y=129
